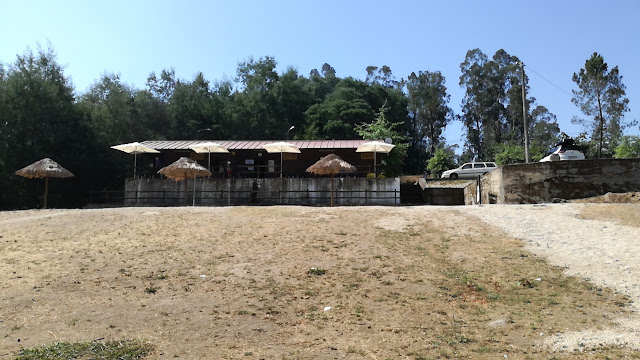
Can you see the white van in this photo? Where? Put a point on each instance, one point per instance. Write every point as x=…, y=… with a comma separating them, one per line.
x=469, y=170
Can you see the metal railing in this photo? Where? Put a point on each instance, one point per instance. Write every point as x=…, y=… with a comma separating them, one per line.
x=243, y=197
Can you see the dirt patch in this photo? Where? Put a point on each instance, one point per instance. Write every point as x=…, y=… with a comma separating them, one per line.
x=289, y=282
x=621, y=214
x=630, y=197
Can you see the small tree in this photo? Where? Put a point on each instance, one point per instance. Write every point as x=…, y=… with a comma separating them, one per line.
x=383, y=129
x=602, y=98
x=442, y=160
x=629, y=147
x=509, y=154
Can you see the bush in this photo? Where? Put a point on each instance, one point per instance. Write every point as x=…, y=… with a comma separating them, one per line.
x=629, y=147
x=509, y=154
x=442, y=160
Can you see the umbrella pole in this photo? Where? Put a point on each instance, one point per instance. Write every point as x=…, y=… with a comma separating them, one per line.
x=375, y=171
x=331, y=190
x=186, y=189
x=281, y=164
x=194, y=192
x=46, y=191
x=135, y=164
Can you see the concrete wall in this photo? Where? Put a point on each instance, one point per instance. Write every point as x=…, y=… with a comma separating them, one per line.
x=545, y=182
x=294, y=191
x=443, y=196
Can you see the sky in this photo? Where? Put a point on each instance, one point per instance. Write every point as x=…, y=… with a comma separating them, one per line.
x=133, y=38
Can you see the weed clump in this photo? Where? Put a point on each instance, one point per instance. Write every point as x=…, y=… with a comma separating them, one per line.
x=316, y=271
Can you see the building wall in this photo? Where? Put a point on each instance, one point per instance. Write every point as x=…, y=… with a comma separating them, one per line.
x=302, y=191
x=294, y=164
x=546, y=182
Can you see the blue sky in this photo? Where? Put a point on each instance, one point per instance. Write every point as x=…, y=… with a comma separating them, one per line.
x=134, y=38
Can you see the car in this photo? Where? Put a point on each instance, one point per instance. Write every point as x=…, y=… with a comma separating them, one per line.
x=564, y=150
x=469, y=170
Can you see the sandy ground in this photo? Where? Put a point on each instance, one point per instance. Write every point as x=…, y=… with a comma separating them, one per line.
x=181, y=277
x=602, y=251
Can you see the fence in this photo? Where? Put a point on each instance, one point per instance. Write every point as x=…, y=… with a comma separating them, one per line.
x=243, y=197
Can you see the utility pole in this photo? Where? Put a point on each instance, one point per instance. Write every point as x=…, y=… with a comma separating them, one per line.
x=524, y=116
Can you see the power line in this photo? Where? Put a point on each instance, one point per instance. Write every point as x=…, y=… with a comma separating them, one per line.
x=549, y=81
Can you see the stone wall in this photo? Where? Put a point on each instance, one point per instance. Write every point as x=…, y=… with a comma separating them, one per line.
x=559, y=180
x=289, y=191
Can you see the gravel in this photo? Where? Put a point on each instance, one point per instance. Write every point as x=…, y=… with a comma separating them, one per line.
x=602, y=252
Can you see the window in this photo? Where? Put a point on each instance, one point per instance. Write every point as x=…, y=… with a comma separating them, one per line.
x=478, y=166
x=491, y=165
x=467, y=166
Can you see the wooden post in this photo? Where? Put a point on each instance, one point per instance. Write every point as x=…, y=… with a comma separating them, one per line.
x=331, y=190
x=46, y=191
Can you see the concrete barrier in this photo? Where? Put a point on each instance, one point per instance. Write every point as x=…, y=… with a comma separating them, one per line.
x=291, y=191
x=559, y=180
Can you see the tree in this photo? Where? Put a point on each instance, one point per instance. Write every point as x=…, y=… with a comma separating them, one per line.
x=382, y=76
x=190, y=109
x=492, y=105
x=255, y=107
x=162, y=88
x=107, y=109
x=429, y=114
x=601, y=97
x=629, y=147
x=442, y=160
x=38, y=120
x=339, y=113
x=381, y=128
x=544, y=132
x=507, y=153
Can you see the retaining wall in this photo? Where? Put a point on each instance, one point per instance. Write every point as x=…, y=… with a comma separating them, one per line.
x=288, y=191
x=559, y=180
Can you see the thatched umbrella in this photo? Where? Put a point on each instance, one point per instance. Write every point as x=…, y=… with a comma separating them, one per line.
x=182, y=169
x=44, y=168
x=331, y=164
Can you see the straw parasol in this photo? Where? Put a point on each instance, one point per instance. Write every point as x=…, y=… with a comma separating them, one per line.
x=375, y=147
x=135, y=148
x=44, y=168
x=182, y=169
x=331, y=164
x=281, y=147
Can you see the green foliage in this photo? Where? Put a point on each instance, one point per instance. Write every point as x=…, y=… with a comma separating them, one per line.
x=429, y=115
x=316, y=271
x=492, y=105
x=443, y=159
x=40, y=116
x=508, y=154
x=108, y=350
x=544, y=131
x=629, y=147
x=602, y=98
x=38, y=119
x=382, y=129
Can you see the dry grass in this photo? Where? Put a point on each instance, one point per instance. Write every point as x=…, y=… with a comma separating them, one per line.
x=621, y=214
x=287, y=283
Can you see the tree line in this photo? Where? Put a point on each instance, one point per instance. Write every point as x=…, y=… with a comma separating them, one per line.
x=42, y=115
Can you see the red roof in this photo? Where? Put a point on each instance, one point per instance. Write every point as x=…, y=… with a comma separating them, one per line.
x=255, y=144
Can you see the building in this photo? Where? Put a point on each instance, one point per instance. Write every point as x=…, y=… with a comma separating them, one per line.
x=248, y=159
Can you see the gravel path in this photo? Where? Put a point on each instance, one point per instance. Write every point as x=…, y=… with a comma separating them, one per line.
x=605, y=253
